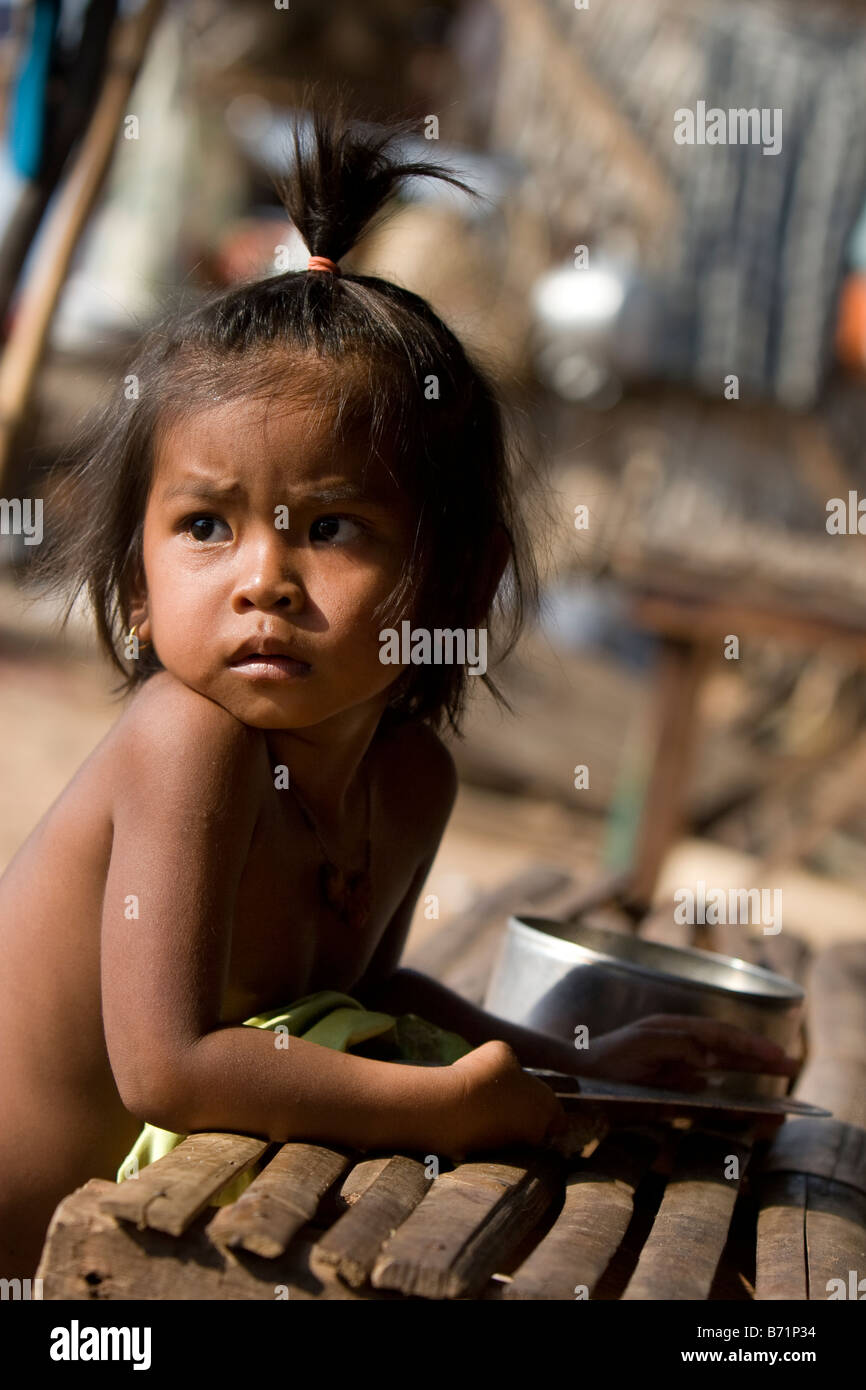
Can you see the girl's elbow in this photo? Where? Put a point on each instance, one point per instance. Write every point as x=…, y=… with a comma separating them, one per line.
x=154, y=1099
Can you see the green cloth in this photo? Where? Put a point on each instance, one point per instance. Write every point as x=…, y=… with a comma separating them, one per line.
x=332, y=1020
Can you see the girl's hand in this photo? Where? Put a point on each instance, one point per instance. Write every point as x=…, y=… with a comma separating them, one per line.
x=499, y=1104
x=670, y=1051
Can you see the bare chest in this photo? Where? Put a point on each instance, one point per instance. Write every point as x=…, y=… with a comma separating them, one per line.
x=288, y=941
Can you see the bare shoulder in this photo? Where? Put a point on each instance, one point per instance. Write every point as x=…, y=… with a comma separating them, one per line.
x=422, y=770
x=174, y=732
x=165, y=705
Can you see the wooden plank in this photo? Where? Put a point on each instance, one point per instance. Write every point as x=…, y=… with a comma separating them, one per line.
x=823, y=1148
x=169, y=1194
x=787, y=954
x=680, y=1256
x=350, y=1248
x=282, y=1199
x=835, y=1238
x=466, y=1227
x=835, y=1073
x=780, y=1255
x=839, y=1085
x=599, y=1204
x=837, y=988
x=710, y=619
x=89, y=1255
x=574, y=900
x=835, y=795
x=659, y=925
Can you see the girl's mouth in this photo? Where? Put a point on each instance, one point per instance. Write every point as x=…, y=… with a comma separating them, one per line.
x=258, y=666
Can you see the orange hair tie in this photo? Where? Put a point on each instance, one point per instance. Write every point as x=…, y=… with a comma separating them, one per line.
x=323, y=263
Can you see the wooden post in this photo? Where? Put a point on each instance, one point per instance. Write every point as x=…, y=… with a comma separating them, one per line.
x=680, y=672
x=68, y=218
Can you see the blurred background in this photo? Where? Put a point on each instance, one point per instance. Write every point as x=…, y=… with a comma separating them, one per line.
x=679, y=330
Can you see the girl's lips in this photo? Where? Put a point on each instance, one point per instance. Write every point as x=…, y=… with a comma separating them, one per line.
x=271, y=667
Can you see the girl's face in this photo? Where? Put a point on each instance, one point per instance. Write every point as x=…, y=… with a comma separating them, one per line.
x=265, y=535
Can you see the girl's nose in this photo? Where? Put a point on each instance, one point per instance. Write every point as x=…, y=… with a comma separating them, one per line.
x=270, y=581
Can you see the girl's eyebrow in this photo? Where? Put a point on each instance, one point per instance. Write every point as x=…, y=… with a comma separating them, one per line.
x=217, y=492
x=347, y=492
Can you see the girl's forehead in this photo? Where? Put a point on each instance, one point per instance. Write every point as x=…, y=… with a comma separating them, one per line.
x=252, y=440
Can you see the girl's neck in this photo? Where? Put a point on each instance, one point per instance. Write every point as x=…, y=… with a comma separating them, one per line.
x=325, y=761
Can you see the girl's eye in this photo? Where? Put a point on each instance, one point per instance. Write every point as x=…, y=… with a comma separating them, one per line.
x=327, y=528
x=201, y=527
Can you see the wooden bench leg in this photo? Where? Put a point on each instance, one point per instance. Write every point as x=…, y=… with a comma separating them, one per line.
x=681, y=670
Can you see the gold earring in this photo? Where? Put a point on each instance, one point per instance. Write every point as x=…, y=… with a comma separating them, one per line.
x=131, y=634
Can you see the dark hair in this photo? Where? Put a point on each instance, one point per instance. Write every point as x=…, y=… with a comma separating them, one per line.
x=446, y=443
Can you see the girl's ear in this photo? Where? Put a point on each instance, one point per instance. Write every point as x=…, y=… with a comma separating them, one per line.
x=138, y=602
x=139, y=619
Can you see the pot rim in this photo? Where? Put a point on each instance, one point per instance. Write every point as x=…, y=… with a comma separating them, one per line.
x=785, y=993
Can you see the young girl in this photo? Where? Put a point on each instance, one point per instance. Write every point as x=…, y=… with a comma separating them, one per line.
x=283, y=486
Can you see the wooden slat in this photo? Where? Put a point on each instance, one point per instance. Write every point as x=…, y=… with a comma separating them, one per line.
x=822, y=1148
x=780, y=1256
x=599, y=1202
x=467, y=1226
x=359, y=1178
x=835, y=1236
x=280, y=1200
x=169, y=1194
x=835, y=1074
x=351, y=1246
x=680, y=1256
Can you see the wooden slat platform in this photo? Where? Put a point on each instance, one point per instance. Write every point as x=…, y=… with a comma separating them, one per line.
x=518, y=1225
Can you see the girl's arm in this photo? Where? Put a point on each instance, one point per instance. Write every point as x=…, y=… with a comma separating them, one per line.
x=659, y=1050
x=409, y=991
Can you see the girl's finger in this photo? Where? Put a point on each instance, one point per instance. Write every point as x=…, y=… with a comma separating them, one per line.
x=671, y=1045
x=733, y=1060
x=724, y=1038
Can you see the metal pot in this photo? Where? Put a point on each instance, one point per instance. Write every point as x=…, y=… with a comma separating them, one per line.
x=554, y=976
